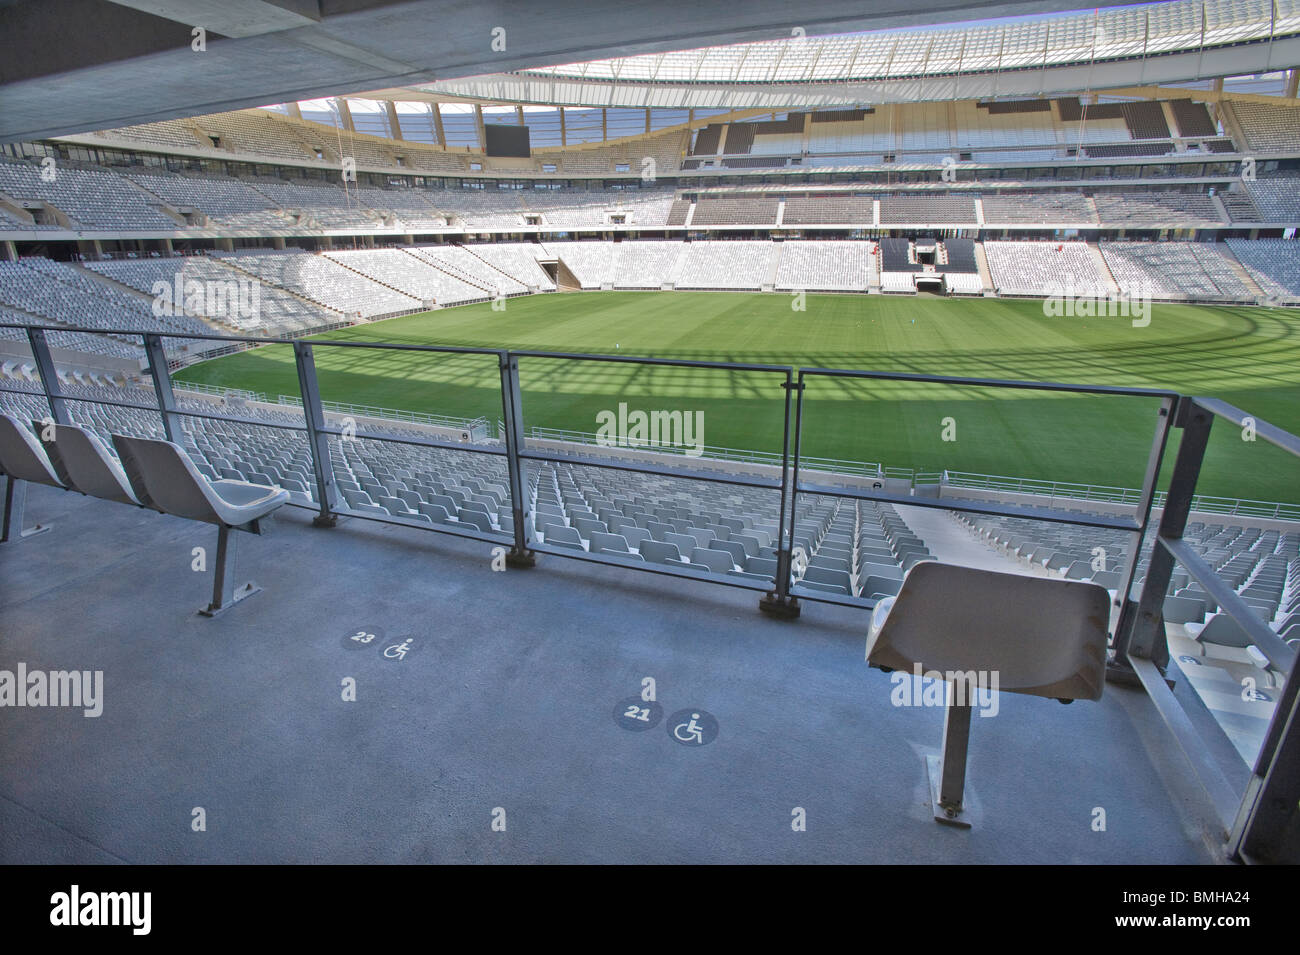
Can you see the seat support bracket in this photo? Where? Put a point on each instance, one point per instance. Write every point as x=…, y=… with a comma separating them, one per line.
x=224, y=593
x=15, y=501
x=947, y=771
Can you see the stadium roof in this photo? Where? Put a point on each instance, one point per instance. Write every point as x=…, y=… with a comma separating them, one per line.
x=1154, y=42
x=72, y=66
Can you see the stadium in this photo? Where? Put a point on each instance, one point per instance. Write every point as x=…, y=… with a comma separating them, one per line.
x=591, y=401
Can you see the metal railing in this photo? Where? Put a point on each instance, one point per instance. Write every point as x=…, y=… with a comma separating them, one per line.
x=476, y=427
x=217, y=390
x=1107, y=494
x=713, y=452
x=1138, y=647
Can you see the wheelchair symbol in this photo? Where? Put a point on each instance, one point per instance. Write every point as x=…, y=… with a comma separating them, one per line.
x=690, y=732
x=398, y=651
x=693, y=727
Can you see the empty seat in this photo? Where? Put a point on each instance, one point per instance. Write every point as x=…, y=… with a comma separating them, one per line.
x=660, y=552
x=1039, y=636
x=716, y=560
x=22, y=459
x=163, y=478
x=86, y=466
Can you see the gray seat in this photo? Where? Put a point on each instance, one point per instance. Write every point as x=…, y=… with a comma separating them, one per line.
x=163, y=478
x=659, y=552
x=737, y=552
x=1223, y=631
x=608, y=543
x=85, y=465
x=1183, y=610
x=716, y=560
x=436, y=513
x=562, y=536
x=481, y=521
x=880, y=587
x=1038, y=636
x=22, y=459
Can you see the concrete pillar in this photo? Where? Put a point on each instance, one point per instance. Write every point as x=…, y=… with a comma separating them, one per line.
x=394, y=124
x=437, y=124
x=345, y=114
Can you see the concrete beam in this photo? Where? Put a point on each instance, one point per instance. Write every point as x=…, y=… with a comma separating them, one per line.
x=232, y=18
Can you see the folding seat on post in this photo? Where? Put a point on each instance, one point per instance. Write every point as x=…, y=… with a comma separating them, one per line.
x=163, y=478
x=1042, y=637
x=22, y=459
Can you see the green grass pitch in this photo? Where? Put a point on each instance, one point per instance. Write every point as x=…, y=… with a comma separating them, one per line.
x=1249, y=357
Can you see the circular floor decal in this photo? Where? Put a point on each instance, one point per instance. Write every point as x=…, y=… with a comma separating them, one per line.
x=693, y=727
x=636, y=715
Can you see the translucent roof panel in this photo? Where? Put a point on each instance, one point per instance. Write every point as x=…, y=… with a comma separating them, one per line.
x=1017, y=43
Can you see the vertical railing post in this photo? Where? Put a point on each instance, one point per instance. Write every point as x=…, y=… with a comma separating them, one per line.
x=1136, y=633
x=317, y=438
x=162, y=387
x=1146, y=498
x=778, y=602
x=512, y=406
x=49, y=377
x=1269, y=808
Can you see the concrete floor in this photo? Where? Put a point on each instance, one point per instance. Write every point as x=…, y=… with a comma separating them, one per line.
x=508, y=702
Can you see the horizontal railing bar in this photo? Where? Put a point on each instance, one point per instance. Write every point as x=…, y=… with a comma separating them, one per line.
x=839, y=600
x=954, y=504
x=262, y=340
x=684, y=473
x=421, y=442
x=670, y=362
x=1269, y=432
x=1265, y=638
x=989, y=382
